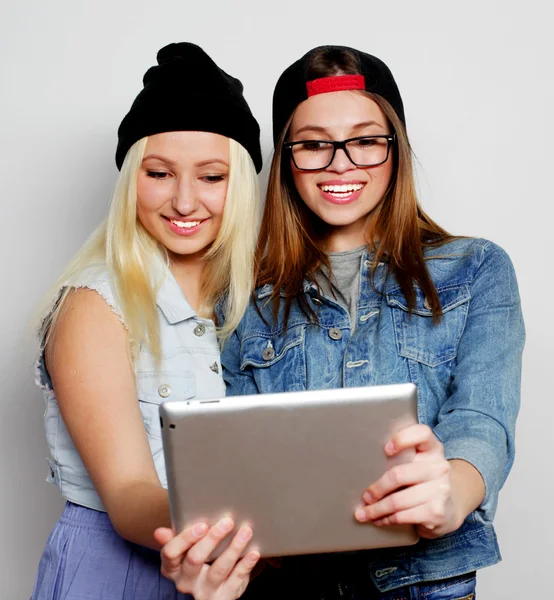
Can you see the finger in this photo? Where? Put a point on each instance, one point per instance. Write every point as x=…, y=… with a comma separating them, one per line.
x=225, y=563
x=163, y=535
x=420, y=437
x=416, y=495
x=240, y=576
x=418, y=515
x=175, y=549
x=406, y=474
x=200, y=552
x=429, y=532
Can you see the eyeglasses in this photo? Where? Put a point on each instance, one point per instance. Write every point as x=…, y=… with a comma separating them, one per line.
x=363, y=151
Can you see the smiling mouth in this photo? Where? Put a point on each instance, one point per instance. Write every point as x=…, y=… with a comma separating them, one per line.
x=185, y=224
x=343, y=190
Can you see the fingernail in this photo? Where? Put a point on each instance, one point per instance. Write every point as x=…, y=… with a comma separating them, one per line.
x=253, y=558
x=360, y=515
x=367, y=497
x=245, y=534
x=389, y=448
x=225, y=525
x=199, y=529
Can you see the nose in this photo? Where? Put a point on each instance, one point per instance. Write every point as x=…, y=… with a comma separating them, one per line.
x=341, y=163
x=185, y=200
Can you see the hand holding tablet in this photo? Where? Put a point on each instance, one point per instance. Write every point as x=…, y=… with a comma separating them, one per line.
x=184, y=560
x=293, y=465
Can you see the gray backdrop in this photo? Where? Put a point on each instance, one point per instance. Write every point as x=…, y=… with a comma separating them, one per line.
x=476, y=78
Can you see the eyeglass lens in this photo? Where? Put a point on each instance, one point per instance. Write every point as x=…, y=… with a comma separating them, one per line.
x=318, y=155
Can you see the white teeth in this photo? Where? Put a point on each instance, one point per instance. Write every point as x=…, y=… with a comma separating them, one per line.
x=186, y=224
x=342, y=189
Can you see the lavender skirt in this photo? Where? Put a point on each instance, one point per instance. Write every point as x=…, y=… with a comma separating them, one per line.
x=85, y=559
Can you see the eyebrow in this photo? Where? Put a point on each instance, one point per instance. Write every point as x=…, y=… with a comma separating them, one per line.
x=202, y=163
x=318, y=129
x=211, y=161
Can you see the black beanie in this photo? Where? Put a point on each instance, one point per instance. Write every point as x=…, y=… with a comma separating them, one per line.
x=187, y=91
x=292, y=89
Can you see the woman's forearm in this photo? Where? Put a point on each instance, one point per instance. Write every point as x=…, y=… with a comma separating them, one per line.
x=137, y=509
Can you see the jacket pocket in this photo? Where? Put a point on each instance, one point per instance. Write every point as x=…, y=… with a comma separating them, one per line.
x=276, y=361
x=418, y=337
x=154, y=388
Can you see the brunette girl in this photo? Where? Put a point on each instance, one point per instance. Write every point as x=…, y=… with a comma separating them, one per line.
x=357, y=285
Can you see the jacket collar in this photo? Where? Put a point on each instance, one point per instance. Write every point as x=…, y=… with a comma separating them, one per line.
x=171, y=300
x=267, y=289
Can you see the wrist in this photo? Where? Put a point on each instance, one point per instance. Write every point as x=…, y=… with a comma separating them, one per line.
x=468, y=489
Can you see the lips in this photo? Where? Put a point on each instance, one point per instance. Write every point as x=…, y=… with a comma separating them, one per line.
x=341, y=192
x=185, y=226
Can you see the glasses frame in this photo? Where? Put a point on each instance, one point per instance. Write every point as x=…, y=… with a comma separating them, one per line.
x=391, y=139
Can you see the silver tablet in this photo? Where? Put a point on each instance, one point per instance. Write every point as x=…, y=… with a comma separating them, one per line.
x=294, y=465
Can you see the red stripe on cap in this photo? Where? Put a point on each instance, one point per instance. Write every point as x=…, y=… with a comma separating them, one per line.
x=337, y=83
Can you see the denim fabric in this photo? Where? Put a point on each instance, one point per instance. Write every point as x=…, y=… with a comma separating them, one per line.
x=456, y=588
x=467, y=370
x=190, y=368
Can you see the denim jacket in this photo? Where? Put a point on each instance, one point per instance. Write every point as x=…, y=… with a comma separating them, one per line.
x=190, y=368
x=466, y=368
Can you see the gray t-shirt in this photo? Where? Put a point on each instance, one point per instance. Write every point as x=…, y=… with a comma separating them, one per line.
x=345, y=284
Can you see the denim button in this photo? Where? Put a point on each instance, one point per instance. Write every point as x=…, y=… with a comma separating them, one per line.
x=382, y=572
x=200, y=330
x=164, y=390
x=268, y=353
x=335, y=333
x=367, y=263
x=426, y=304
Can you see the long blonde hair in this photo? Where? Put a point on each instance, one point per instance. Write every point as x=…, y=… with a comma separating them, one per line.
x=133, y=257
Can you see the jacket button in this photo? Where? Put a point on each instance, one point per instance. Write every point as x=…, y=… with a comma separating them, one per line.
x=200, y=330
x=335, y=333
x=164, y=390
x=268, y=353
x=215, y=367
x=426, y=304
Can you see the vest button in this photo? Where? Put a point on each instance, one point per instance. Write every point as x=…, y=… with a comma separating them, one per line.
x=200, y=330
x=335, y=333
x=164, y=390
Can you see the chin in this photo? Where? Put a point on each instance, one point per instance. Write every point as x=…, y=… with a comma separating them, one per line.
x=189, y=251
x=340, y=221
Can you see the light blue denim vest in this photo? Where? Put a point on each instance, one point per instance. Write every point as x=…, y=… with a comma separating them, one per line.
x=467, y=370
x=190, y=369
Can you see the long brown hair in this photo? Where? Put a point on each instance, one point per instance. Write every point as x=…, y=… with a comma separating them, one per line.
x=292, y=240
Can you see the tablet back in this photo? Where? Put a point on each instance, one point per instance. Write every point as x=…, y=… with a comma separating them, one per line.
x=294, y=465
